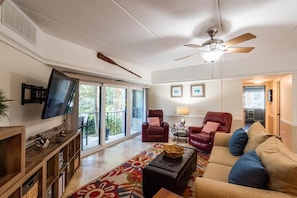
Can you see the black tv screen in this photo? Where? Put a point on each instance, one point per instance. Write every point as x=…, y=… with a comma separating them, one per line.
x=60, y=94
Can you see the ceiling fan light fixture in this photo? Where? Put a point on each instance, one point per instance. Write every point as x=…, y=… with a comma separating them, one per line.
x=213, y=51
x=212, y=56
x=214, y=48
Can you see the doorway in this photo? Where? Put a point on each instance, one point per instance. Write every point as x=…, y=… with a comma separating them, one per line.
x=254, y=105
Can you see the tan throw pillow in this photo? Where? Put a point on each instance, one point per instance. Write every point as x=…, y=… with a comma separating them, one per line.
x=280, y=164
x=153, y=121
x=257, y=134
x=210, y=127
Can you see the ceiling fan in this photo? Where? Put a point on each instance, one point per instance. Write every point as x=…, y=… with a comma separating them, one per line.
x=214, y=48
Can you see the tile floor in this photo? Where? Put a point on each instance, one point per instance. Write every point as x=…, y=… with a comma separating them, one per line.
x=95, y=165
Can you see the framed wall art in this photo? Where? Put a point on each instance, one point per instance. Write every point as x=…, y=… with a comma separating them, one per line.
x=198, y=90
x=176, y=91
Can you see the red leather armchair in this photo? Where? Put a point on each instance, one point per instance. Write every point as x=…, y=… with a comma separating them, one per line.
x=204, y=140
x=151, y=133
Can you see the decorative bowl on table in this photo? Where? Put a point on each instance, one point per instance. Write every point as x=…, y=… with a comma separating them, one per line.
x=173, y=151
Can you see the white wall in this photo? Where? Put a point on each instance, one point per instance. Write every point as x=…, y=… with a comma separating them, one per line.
x=220, y=95
x=286, y=98
x=17, y=68
x=72, y=56
x=232, y=97
x=288, y=109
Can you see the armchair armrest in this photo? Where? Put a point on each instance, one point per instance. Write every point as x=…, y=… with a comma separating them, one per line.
x=164, y=124
x=194, y=129
x=145, y=124
x=208, y=188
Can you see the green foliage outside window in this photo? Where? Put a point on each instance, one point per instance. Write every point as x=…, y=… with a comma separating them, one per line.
x=88, y=99
x=115, y=126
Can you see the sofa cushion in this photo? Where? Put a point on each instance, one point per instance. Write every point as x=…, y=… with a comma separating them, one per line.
x=281, y=165
x=210, y=127
x=155, y=130
x=153, y=121
x=257, y=134
x=217, y=172
x=249, y=171
x=221, y=155
x=237, y=142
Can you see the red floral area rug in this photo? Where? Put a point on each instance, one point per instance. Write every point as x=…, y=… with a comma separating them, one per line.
x=126, y=179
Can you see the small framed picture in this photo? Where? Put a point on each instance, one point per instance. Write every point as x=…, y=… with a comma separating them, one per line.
x=198, y=90
x=176, y=91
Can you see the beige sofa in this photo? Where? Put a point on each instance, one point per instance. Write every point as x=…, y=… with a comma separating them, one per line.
x=214, y=182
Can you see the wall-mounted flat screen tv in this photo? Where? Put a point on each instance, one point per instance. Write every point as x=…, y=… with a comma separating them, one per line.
x=60, y=94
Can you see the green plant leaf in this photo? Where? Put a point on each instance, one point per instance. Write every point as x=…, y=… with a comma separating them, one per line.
x=3, y=104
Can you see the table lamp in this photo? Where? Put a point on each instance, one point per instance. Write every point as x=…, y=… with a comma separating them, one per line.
x=182, y=110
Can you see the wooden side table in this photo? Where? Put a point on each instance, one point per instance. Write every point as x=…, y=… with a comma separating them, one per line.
x=164, y=193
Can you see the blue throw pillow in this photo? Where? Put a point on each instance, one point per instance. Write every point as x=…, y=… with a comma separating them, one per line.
x=249, y=171
x=237, y=142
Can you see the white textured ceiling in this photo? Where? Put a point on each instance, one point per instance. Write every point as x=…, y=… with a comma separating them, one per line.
x=151, y=33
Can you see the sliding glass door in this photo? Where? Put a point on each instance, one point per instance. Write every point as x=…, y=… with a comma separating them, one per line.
x=109, y=113
x=115, y=113
x=137, y=109
x=89, y=114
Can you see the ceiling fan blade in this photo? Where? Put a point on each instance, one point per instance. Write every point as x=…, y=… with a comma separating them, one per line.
x=240, y=49
x=186, y=57
x=239, y=39
x=192, y=45
x=106, y=59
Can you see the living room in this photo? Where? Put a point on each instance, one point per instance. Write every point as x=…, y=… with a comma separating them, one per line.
x=22, y=62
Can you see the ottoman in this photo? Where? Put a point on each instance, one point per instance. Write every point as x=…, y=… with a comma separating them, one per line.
x=172, y=174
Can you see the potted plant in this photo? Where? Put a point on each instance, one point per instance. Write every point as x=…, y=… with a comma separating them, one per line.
x=3, y=104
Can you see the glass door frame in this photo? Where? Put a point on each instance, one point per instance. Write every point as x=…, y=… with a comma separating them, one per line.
x=131, y=109
x=126, y=120
x=97, y=118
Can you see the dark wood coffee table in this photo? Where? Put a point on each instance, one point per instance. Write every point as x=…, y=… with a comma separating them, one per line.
x=172, y=174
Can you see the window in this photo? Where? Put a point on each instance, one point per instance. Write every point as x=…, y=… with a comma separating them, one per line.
x=254, y=97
